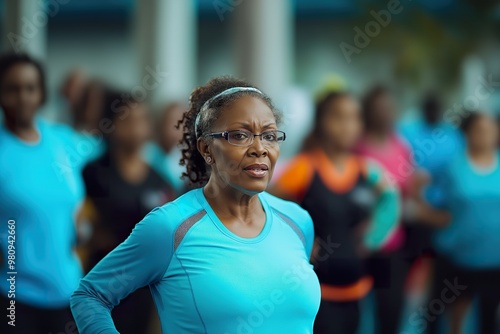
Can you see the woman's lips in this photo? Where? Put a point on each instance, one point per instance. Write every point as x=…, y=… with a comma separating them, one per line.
x=257, y=170
x=257, y=173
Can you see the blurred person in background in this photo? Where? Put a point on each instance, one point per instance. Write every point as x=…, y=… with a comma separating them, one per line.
x=353, y=209
x=88, y=119
x=434, y=142
x=41, y=191
x=164, y=154
x=88, y=109
x=71, y=91
x=468, y=255
x=121, y=189
x=498, y=126
x=389, y=267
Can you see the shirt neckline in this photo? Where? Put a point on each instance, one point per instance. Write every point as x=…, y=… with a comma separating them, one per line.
x=12, y=137
x=483, y=170
x=224, y=230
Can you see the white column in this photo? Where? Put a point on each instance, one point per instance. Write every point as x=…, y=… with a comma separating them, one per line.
x=263, y=40
x=25, y=27
x=263, y=33
x=166, y=41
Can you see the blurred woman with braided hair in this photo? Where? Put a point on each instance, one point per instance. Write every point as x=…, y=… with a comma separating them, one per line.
x=226, y=257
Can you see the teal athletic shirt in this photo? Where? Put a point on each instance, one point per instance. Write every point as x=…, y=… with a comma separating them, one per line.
x=41, y=189
x=206, y=279
x=472, y=196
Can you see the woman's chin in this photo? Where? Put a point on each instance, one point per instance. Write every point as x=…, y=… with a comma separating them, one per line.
x=254, y=187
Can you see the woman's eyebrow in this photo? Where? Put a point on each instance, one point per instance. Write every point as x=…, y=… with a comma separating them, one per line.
x=247, y=125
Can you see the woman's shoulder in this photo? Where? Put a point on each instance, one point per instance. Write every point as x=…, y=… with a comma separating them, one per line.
x=183, y=207
x=295, y=174
x=293, y=215
x=287, y=208
x=371, y=169
x=59, y=130
x=169, y=216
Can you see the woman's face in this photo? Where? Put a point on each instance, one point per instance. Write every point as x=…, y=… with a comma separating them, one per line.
x=232, y=165
x=383, y=112
x=341, y=124
x=133, y=129
x=483, y=134
x=21, y=93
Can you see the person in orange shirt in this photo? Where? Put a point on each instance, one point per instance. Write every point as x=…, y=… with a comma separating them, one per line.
x=352, y=206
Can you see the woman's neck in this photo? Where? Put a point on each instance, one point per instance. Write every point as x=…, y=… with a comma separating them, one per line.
x=337, y=156
x=26, y=132
x=482, y=157
x=130, y=165
x=378, y=137
x=230, y=203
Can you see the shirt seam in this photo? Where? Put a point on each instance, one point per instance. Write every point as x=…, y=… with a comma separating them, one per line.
x=304, y=241
x=192, y=294
x=172, y=251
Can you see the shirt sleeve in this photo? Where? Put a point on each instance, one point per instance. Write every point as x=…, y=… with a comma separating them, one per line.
x=295, y=178
x=386, y=214
x=140, y=260
x=81, y=148
x=406, y=153
x=442, y=186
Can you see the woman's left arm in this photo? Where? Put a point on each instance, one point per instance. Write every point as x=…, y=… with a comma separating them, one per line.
x=386, y=214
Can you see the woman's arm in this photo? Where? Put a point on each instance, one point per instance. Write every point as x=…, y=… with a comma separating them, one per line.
x=418, y=209
x=140, y=260
x=386, y=213
x=430, y=216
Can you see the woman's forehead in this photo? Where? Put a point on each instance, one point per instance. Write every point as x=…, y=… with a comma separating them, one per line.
x=22, y=71
x=246, y=110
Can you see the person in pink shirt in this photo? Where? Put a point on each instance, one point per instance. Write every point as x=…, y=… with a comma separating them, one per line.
x=380, y=142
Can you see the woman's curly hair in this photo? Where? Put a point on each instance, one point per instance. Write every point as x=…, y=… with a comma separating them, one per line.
x=197, y=171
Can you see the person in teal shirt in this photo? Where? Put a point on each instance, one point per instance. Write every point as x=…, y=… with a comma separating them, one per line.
x=468, y=247
x=41, y=189
x=433, y=141
x=227, y=258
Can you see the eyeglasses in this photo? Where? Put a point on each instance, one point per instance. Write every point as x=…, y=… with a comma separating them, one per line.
x=245, y=138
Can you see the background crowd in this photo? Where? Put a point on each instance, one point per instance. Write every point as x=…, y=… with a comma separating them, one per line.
x=392, y=147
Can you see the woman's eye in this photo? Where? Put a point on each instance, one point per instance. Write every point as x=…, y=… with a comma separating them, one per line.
x=270, y=137
x=240, y=136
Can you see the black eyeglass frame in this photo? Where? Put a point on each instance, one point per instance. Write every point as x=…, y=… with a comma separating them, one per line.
x=225, y=135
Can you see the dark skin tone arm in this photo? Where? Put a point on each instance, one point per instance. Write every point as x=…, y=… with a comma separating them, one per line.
x=425, y=213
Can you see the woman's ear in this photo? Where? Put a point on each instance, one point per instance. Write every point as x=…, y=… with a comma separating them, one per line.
x=204, y=150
